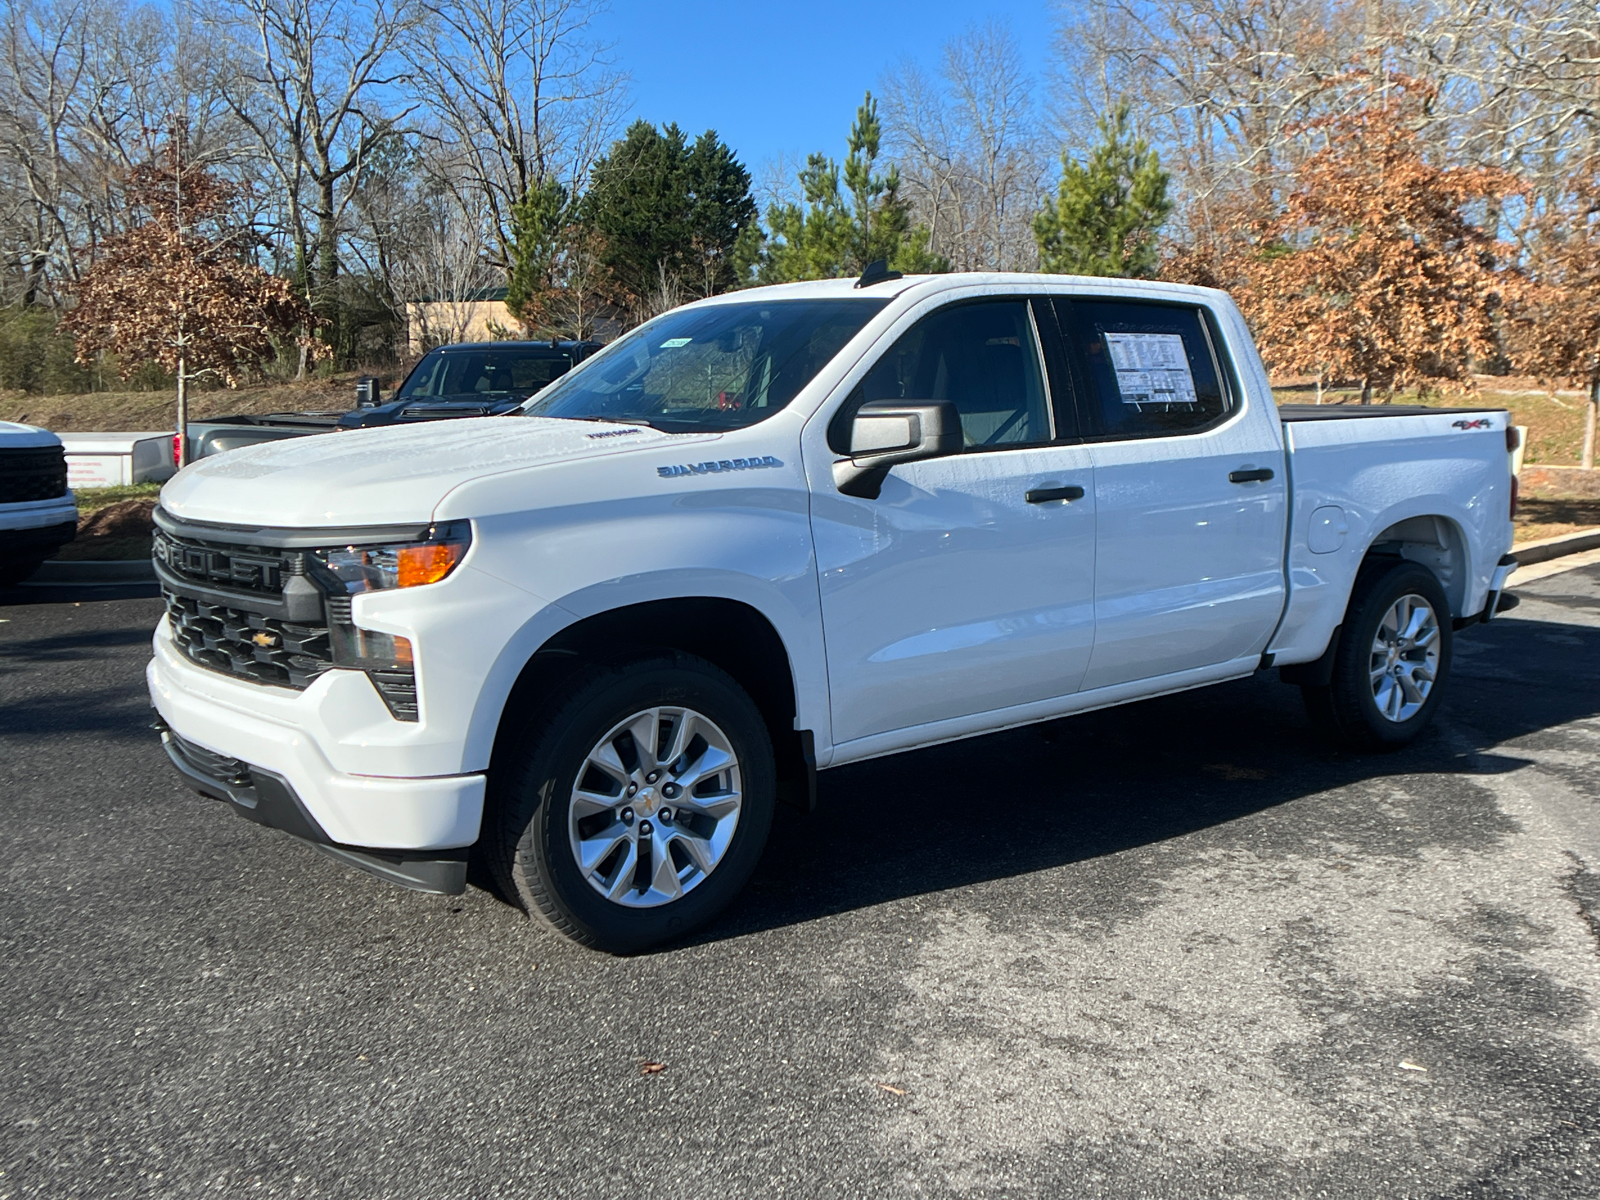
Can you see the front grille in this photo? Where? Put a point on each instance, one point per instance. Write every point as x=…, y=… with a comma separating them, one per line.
x=257, y=569
x=220, y=629
x=247, y=644
x=35, y=473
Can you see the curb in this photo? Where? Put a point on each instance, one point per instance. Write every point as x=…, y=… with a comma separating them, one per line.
x=1544, y=549
x=92, y=571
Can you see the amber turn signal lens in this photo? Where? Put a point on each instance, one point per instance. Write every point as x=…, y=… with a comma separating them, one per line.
x=427, y=563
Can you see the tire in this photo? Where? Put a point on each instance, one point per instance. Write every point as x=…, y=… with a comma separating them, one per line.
x=565, y=792
x=14, y=573
x=1361, y=708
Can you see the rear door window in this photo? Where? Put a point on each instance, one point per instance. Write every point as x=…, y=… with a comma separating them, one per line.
x=1149, y=369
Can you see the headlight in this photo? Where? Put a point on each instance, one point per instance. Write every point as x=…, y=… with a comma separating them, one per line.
x=408, y=564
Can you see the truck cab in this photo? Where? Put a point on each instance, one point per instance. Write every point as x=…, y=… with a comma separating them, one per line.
x=472, y=379
x=595, y=640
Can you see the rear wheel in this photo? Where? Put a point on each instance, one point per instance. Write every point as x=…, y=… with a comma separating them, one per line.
x=638, y=809
x=1393, y=661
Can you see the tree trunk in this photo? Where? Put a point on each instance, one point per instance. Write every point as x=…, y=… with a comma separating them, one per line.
x=1588, y=424
x=1366, y=390
x=183, y=412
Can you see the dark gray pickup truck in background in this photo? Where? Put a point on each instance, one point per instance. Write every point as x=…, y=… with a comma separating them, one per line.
x=470, y=379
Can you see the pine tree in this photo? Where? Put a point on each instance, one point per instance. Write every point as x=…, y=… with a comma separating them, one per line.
x=1107, y=211
x=829, y=236
x=669, y=216
x=538, y=231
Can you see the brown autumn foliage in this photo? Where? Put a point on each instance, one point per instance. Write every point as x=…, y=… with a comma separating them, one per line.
x=1554, y=333
x=177, y=289
x=1370, y=268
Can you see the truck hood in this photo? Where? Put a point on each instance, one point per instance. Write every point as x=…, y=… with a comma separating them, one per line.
x=387, y=476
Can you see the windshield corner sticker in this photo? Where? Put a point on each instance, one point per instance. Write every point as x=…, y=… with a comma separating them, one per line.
x=674, y=343
x=717, y=468
x=1151, y=368
x=1479, y=423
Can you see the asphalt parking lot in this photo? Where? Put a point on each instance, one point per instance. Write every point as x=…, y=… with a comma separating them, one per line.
x=1172, y=950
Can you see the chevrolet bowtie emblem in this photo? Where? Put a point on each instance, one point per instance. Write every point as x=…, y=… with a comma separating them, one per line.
x=265, y=640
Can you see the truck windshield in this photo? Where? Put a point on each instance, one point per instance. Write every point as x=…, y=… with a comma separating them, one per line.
x=503, y=372
x=699, y=370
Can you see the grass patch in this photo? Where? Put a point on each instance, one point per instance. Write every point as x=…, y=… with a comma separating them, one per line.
x=92, y=500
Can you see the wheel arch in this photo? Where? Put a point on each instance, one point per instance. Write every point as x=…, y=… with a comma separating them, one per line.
x=731, y=634
x=1433, y=540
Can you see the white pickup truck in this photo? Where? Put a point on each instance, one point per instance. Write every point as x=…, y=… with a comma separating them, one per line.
x=781, y=530
x=38, y=512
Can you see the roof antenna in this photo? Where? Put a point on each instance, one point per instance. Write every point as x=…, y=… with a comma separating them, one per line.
x=877, y=272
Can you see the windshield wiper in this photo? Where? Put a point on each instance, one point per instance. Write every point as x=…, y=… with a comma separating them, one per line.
x=608, y=420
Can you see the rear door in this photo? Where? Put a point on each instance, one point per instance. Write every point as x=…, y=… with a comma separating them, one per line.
x=967, y=586
x=1190, y=494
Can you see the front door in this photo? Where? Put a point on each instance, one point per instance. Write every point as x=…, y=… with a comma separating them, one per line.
x=1190, y=495
x=968, y=585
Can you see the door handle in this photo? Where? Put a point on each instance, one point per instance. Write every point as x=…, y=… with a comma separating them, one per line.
x=1258, y=475
x=1044, y=495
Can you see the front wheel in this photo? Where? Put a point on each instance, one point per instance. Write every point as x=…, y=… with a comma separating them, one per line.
x=638, y=810
x=1392, y=663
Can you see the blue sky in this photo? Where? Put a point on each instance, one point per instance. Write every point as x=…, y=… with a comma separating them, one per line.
x=785, y=79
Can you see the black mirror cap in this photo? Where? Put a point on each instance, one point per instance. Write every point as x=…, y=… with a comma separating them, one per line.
x=368, y=394
x=936, y=430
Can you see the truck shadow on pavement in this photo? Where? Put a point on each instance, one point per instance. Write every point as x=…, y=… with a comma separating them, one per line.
x=1107, y=782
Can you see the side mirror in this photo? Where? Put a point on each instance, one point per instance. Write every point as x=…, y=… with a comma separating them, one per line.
x=888, y=432
x=367, y=393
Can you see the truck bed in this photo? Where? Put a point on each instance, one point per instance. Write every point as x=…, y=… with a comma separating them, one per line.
x=1291, y=413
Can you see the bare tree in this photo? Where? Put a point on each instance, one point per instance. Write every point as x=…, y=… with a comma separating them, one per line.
x=1519, y=81
x=1222, y=88
x=85, y=90
x=519, y=92
x=969, y=151
x=443, y=283
x=314, y=82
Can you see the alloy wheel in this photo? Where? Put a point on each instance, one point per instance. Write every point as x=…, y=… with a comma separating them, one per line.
x=654, y=807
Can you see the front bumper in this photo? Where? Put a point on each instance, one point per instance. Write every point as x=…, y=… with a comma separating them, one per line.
x=36, y=541
x=280, y=735
x=269, y=800
x=37, y=515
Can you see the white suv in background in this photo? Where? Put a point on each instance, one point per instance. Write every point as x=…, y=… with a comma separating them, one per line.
x=38, y=513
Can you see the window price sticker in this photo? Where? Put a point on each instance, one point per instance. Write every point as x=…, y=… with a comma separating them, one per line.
x=1151, y=368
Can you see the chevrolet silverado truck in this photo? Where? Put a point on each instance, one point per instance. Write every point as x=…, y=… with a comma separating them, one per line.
x=777, y=531
x=38, y=512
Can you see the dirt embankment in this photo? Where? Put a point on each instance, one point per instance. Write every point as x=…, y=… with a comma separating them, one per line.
x=131, y=412
x=120, y=530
